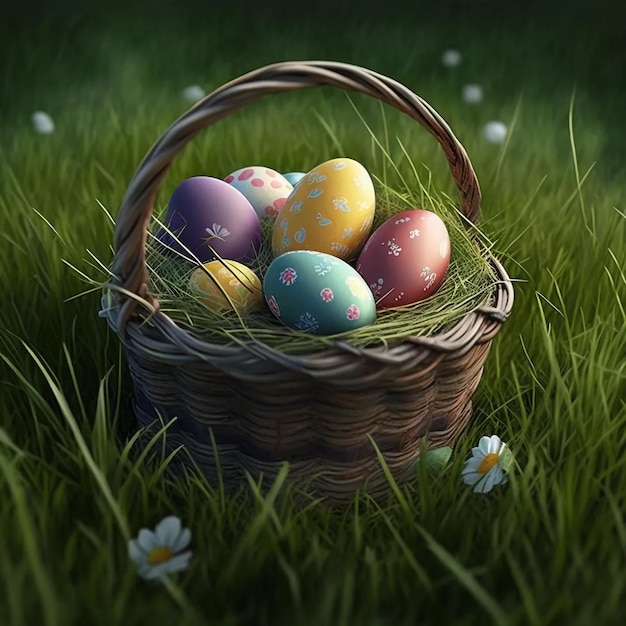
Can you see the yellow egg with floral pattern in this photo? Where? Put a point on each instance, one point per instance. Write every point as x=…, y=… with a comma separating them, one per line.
x=223, y=285
x=331, y=210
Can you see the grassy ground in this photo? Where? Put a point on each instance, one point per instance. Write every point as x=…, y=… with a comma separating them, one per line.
x=546, y=549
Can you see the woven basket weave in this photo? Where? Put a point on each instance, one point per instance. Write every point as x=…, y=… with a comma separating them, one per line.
x=248, y=407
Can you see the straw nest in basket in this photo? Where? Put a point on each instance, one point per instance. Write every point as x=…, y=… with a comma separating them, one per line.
x=469, y=280
x=244, y=394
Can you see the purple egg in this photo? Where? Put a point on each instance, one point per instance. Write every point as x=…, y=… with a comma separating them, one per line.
x=211, y=218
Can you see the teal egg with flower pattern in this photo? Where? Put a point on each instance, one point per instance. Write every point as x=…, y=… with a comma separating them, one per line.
x=294, y=177
x=318, y=293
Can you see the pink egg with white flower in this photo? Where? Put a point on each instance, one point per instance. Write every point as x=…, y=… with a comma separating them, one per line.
x=266, y=190
x=406, y=258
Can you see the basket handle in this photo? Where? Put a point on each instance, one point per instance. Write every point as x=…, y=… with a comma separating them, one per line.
x=129, y=269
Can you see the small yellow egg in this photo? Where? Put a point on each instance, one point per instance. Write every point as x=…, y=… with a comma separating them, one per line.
x=218, y=281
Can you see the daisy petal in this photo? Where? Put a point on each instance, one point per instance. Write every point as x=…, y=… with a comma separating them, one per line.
x=472, y=464
x=471, y=478
x=483, y=486
x=182, y=541
x=152, y=572
x=179, y=562
x=499, y=477
x=477, y=452
x=498, y=474
x=136, y=552
x=483, y=445
x=490, y=481
x=146, y=539
x=495, y=444
x=168, y=531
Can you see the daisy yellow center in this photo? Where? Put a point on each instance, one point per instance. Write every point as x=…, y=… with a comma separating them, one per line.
x=159, y=555
x=487, y=463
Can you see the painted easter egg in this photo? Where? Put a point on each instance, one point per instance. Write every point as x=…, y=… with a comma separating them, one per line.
x=223, y=285
x=212, y=219
x=317, y=293
x=330, y=210
x=265, y=189
x=294, y=177
x=406, y=258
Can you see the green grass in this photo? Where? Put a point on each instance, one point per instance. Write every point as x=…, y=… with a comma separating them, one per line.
x=548, y=548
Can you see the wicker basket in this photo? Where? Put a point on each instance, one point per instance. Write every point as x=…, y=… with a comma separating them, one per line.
x=247, y=407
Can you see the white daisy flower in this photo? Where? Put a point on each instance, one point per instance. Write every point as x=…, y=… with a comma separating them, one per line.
x=193, y=93
x=473, y=94
x=451, y=58
x=495, y=132
x=159, y=552
x=488, y=464
x=42, y=122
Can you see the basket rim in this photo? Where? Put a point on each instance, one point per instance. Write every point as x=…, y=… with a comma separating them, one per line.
x=152, y=335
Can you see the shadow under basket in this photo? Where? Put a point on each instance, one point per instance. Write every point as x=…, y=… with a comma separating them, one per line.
x=257, y=407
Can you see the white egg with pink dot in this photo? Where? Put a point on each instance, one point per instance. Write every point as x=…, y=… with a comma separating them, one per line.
x=265, y=189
